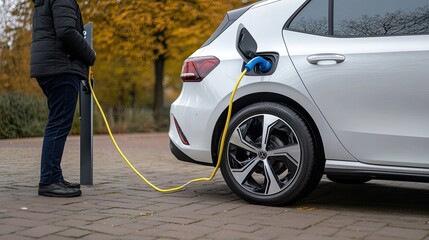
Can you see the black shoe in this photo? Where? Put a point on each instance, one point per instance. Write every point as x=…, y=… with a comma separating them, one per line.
x=58, y=190
x=70, y=185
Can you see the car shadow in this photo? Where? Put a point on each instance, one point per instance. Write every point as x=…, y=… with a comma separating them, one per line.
x=381, y=196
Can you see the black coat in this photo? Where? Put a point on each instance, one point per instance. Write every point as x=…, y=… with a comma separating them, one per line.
x=58, y=45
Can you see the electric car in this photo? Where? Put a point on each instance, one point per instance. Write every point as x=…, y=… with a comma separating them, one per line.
x=347, y=96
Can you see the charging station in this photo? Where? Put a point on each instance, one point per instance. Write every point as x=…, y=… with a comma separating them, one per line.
x=86, y=107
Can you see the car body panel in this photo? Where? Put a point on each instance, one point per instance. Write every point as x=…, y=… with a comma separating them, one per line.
x=383, y=127
x=376, y=99
x=347, y=168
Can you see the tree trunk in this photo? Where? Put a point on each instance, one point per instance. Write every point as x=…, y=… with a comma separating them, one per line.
x=158, y=103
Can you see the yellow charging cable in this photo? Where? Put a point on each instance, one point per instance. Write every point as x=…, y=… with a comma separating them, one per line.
x=222, y=142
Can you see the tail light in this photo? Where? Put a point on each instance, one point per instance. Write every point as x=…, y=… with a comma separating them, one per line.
x=196, y=69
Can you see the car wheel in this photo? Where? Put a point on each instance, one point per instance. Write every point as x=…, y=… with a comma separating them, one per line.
x=269, y=155
x=348, y=179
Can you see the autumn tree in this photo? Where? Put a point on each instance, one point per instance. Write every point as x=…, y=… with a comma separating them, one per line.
x=15, y=41
x=151, y=32
x=137, y=42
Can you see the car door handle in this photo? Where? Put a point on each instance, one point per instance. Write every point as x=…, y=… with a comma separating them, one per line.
x=329, y=58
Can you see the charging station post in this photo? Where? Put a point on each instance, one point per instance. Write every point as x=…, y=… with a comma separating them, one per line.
x=86, y=121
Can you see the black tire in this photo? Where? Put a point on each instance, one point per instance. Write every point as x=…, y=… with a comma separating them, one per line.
x=348, y=179
x=283, y=176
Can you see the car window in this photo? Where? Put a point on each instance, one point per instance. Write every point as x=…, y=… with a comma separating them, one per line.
x=313, y=18
x=361, y=18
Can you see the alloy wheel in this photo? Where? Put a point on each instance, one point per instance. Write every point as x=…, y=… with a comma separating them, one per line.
x=264, y=154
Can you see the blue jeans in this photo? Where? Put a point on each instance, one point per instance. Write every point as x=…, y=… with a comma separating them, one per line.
x=61, y=92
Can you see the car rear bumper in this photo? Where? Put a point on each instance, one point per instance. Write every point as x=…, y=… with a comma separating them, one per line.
x=183, y=157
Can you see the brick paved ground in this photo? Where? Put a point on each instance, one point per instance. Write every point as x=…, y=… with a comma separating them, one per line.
x=119, y=206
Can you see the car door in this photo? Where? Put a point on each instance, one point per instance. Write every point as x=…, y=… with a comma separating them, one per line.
x=365, y=63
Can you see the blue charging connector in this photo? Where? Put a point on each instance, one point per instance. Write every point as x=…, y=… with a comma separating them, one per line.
x=264, y=64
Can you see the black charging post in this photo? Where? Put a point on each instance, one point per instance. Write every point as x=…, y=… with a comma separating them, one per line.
x=86, y=122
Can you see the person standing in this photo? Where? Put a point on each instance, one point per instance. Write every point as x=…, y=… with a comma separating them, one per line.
x=60, y=58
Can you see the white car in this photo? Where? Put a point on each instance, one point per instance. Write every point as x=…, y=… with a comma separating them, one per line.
x=347, y=95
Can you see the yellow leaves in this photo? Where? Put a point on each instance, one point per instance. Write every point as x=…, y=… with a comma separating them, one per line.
x=129, y=35
x=157, y=27
x=132, y=34
x=306, y=208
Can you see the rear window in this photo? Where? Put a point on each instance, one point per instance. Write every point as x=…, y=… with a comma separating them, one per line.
x=228, y=20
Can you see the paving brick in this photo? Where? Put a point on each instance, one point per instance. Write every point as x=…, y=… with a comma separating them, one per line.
x=14, y=237
x=293, y=220
x=403, y=233
x=115, y=221
x=21, y=222
x=174, y=234
x=178, y=201
x=99, y=236
x=7, y=229
x=107, y=229
x=411, y=225
x=176, y=220
x=90, y=216
x=305, y=236
x=213, y=223
x=367, y=226
x=241, y=228
x=321, y=231
x=74, y=233
x=155, y=231
x=55, y=237
x=176, y=231
x=197, y=229
x=121, y=212
x=157, y=207
x=184, y=210
x=72, y=223
x=138, y=226
x=337, y=222
x=218, y=209
x=123, y=205
x=242, y=220
x=379, y=237
x=228, y=234
x=41, y=231
x=351, y=234
x=30, y=215
x=120, y=206
x=137, y=237
x=74, y=207
x=269, y=232
x=46, y=209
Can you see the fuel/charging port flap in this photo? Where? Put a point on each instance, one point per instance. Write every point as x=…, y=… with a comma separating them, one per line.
x=247, y=47
x=246, y=44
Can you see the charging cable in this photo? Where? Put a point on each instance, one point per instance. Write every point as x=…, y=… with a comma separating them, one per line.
x=264, y=66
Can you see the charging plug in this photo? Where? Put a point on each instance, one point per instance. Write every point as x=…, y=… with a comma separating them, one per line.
x=263, y=64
